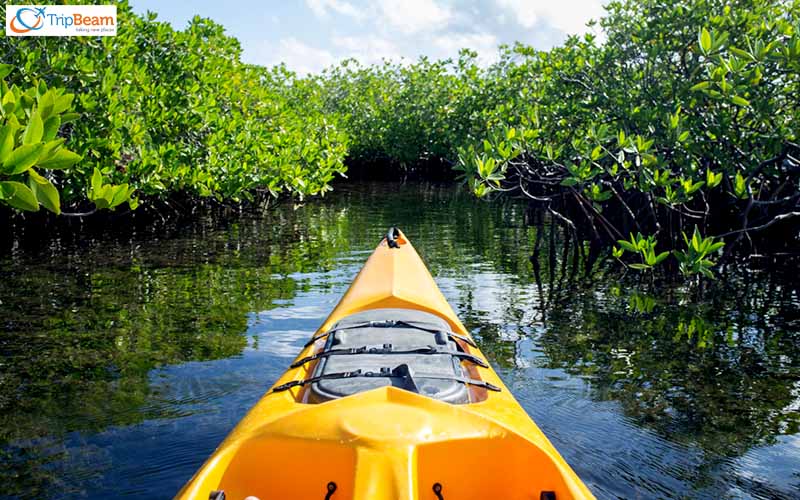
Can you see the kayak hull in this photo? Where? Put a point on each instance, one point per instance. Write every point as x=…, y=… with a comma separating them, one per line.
x=387, y=443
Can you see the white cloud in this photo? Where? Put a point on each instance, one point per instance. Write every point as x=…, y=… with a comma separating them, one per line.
x=304, y=58
x=320, y=8
x=414, y=16
x=404, y=30
x=368, y=49
x=569, y=16
x=485, y=44
x=298, y=56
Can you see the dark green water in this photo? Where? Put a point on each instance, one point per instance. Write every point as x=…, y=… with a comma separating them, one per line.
x=126, y=359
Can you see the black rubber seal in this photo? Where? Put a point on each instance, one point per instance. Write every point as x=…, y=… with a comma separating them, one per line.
x=331, y=489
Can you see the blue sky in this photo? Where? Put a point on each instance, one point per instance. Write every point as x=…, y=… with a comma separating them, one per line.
x=309, y=35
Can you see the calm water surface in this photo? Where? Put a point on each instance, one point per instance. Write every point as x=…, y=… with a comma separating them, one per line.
x=126, y=358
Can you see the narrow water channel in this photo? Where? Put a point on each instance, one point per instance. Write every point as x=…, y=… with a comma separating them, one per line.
x=126, y=358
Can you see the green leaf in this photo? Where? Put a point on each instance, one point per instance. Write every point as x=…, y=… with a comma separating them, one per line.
x=740, y=101
x=740, y=186
x=34, y=130
x=640, y=267
x=63, y=103
x=51, y=126
x=660, y=257
x=712, y=179
x=719, y=40
x=705, y=40
x=13, y=122
x=19, y=196
x=50, y=148
x=5, y=69
x=6, y=141
x=9, y=102
x=741, y=53
x=46, y=104
x=569, y=181
x=120, y=195
x=22, y=158
x=68, y=117
x=62, y=159
x=627, y=246
x=96, y=183
x=45, y=192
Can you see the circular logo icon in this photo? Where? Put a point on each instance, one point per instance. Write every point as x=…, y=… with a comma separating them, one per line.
x=26, y=20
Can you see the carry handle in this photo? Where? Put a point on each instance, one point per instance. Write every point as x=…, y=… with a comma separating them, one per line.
x=391, y=237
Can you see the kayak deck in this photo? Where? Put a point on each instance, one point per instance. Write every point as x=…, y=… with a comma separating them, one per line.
x=373, y=434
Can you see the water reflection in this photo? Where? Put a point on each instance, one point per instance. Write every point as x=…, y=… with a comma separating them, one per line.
x=128, y=358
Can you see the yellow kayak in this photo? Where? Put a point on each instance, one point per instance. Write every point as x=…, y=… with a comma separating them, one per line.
x=390, y=399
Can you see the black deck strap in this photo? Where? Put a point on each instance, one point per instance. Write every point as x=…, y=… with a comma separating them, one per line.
x=391, y=237
x=363, y=324
x=393, y=324
x=327, y=376
x=437, y=490
x=465, y=356
x=466, y=340
x=216, y=495
x=464, y=380
x=364, y=350
x=451, y=334
x=381, y=374
x=387, y=350
x=319, y=337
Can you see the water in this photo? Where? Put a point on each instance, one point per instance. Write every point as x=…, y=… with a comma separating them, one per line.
x=129, y=353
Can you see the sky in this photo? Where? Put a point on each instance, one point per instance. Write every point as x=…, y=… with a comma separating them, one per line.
x=309, y=35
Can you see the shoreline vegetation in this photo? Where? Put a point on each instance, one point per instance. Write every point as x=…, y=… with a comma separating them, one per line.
x=671, y=144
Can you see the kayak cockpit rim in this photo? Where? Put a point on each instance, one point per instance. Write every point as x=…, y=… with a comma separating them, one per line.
x=408, y=348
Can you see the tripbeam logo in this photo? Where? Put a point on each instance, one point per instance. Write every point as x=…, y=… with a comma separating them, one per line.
x=61, y=20
x=34, y=18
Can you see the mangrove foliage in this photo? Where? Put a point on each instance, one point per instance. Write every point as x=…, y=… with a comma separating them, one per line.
x=666, y=136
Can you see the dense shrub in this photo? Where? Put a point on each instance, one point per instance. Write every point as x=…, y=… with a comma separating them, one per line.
x=686, y=117
x=682, y=123
x=169, y=111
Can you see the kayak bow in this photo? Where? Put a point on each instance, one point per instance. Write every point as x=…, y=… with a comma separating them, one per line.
x=390, y=399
